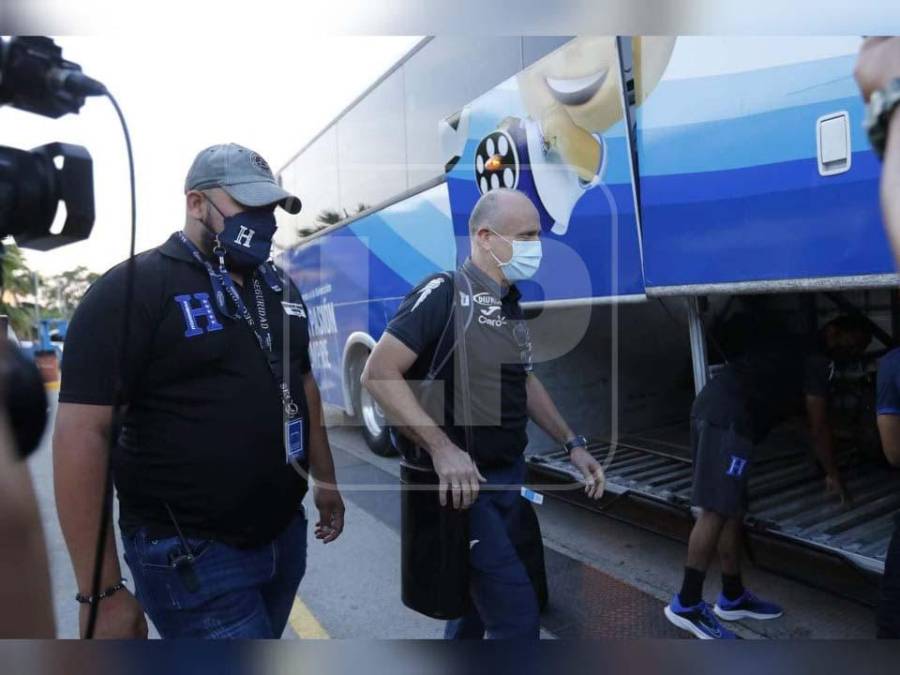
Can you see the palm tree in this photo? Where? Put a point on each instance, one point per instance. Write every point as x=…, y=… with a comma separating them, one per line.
x=17, y=284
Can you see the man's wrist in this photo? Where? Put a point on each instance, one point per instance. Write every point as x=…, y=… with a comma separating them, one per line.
x=105, y=592
x=892, y=142
x=574, y=442
x=881, y=115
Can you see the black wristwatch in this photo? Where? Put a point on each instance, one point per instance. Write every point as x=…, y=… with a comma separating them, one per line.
x=882, y=104
x=575, y=442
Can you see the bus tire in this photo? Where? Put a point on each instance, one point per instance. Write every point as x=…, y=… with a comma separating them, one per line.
x=370, y=416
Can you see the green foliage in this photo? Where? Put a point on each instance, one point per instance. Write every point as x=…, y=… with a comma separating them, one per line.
x=58, y=295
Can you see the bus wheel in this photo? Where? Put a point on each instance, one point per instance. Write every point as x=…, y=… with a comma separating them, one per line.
x=373, y=424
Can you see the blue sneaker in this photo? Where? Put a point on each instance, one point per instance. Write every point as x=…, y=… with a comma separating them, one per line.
x=748, y=606
x=698, y=620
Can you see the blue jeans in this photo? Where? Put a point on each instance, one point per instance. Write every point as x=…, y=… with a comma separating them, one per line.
x=225, y=592
x=504, y=602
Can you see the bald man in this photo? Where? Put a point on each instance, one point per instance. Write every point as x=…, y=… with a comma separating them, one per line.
x=482, y=442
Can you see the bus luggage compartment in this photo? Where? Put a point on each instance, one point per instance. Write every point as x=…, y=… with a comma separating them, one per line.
x=787, y=498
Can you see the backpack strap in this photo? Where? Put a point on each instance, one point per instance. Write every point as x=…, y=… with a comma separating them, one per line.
x=443, y=353
x=462, y=385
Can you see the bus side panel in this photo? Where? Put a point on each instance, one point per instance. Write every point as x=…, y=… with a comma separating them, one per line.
x=354, y=277
x=730, y=183
x=557, y=128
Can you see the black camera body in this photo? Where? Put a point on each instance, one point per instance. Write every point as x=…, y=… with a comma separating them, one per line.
x=35, y=78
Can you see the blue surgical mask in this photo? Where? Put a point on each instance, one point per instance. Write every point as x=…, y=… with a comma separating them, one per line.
x=525, y=260
x=247, y=237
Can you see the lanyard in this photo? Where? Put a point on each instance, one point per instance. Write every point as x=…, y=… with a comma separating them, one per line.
x=223, y=284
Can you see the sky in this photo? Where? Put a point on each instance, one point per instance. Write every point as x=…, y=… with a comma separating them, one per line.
x=181, y=95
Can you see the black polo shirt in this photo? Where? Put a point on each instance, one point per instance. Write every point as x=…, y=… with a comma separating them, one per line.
x=499, y=359
x=203, y=429
x=755, y=393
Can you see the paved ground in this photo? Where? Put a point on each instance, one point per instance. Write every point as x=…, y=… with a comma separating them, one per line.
x=607, y=579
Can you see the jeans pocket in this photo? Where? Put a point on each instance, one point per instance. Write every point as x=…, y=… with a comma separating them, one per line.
x=166, y=572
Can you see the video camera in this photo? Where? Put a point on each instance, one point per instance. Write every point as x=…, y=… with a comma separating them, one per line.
x=35, y=78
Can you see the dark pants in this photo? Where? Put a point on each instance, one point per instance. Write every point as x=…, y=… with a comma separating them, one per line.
x=888, y=616
x=226, y=592
x=504, y=602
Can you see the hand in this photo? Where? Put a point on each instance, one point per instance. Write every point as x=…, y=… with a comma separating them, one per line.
x=119, y=617
x=458, y=475
x=594, y=478
x=834, y=485
x=331, y=513
x=877, y=64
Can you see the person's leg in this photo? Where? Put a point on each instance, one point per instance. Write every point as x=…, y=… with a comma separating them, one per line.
x=736, y=602
x=468, y=627
x=888, y=616
x=504, y=602
x=214, y=596
x=715, y=495
x=730, y=558
x=701, y=546
x=290, y=566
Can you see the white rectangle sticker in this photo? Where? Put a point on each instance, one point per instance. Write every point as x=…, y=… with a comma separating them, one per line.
x=532, y=496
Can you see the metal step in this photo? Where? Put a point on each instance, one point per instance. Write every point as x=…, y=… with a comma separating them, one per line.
x=787, y=498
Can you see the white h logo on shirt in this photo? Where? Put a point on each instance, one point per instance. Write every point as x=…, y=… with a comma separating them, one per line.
x=244, y=237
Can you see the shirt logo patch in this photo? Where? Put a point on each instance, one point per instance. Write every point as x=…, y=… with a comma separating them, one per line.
x=738, y=464
x=294, y=309
x=427, y=290
x=485, y=298
x=487, y=317
x=192, y=314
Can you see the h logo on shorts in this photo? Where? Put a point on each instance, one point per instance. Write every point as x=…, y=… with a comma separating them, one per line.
x=244, y=237
x=192, y=314
x=738, y=464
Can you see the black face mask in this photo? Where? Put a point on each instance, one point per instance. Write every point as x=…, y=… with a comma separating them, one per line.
x=247, y=237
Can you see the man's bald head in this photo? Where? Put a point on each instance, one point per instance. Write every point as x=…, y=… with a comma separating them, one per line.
x=506, y=211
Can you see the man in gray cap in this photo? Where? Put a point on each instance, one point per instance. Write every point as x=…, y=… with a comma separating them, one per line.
x=223, y=422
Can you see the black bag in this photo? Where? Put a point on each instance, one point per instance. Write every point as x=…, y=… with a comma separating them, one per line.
x=435, y=538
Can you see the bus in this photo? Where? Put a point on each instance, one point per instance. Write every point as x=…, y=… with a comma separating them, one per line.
x=680, y=181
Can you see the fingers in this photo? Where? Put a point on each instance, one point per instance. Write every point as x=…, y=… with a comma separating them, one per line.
x=330, y=525
x=595, y=481
x=456, y=491
x=466, y=488
x=600, y=480
x=442, y=491
x=338, y=523
x=475, y=486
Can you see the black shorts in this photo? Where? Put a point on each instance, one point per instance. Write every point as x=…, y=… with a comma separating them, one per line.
x=721, y=467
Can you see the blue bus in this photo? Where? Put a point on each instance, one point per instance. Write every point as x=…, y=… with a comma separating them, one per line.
x=679, y=180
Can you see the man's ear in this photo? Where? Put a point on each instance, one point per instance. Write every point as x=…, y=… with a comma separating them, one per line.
x=482, y=238
x=195, y=205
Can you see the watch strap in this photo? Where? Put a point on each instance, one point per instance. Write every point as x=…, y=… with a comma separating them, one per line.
x=575, y=442
x=882, y=104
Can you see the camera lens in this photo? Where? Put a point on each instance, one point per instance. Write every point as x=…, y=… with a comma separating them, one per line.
x=26, y=401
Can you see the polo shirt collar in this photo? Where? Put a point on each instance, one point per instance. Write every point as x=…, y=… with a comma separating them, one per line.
x=497, y=290
x=173, y=248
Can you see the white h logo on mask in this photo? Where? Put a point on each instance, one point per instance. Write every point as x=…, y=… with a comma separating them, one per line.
x=244, y=237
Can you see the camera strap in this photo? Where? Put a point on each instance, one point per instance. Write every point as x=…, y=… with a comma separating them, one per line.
x=223, y=285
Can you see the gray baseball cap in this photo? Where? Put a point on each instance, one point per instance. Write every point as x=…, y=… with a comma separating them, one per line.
x=242, y=173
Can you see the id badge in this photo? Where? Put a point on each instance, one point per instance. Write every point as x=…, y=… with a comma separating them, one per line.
x=293, y=441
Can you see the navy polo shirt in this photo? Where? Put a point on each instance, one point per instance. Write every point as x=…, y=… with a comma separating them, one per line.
x=203, y=431
x=499, y=353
